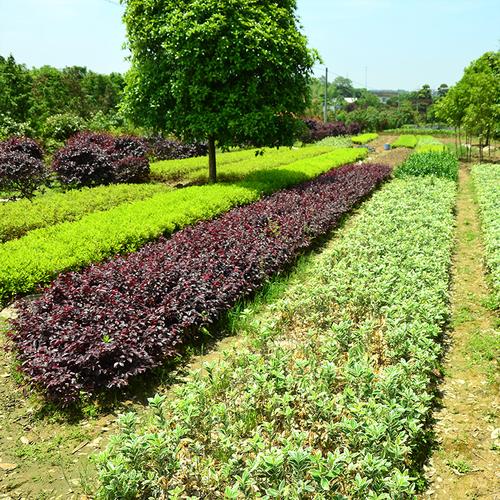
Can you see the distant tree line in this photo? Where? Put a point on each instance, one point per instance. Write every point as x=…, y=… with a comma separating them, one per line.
x=349, y=104
x=53, y=103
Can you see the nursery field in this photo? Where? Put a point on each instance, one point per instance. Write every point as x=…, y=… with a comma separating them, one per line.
x=281, y=334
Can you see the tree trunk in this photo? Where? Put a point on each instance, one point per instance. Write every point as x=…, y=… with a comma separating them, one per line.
x=212, y=170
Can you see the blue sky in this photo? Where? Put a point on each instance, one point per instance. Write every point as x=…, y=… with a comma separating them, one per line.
x=401, y=43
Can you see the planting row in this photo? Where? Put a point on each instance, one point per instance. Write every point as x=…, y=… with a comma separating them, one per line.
x=42, y=254
x=421, y=143
x=234, y=165
x=331, y=395
x=364, y=138
x=96, y=329
x=19, y=217
x=438, y=163
x=487, y=186
x=405, y=141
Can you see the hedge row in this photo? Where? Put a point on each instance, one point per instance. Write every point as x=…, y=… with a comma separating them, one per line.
x=99, y=328
x=486, y=180
x=332, y=395
x=231, y=165
x=19, y=217
x=42, y=254
x=438, y=163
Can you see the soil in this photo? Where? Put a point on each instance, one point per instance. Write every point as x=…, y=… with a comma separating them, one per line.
x=466, y=463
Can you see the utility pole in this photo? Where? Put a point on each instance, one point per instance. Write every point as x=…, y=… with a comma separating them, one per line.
x=325, y=108
x=366, y=77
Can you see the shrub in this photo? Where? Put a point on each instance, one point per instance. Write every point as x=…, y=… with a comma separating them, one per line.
x=438, y=163
x=21, y=168
x=23, y=145
x=317, y=130
x=168, y=149
x=62, y=126
x=134, y=312
x=20, y=174
x=83, y=165
x=90, y=159
x=131, y=169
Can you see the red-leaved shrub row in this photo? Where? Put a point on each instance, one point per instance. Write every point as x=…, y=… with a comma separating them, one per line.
x=317, y=130
x=91, y=159
x=98, y=328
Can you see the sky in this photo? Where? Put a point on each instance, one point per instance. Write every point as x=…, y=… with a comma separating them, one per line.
x=389, y=44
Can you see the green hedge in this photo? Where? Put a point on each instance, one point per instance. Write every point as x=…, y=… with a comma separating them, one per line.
x=330, y=392
x=364, y=138
x=486, y=180
x=405, y=141
x=44, y=253
x=19, y=217
x=438, y=163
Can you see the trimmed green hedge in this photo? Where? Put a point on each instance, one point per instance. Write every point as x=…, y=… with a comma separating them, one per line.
x=331, y=391
x=486, y=180
x=44, y=253
x=19, y=217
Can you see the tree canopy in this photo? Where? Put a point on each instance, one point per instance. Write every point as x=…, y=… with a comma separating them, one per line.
x=473, y=104
x=232, y=71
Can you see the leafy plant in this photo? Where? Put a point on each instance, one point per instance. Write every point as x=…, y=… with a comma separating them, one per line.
x=438, y=163
x=147, y=304
x=486, y=180
x=20, y=216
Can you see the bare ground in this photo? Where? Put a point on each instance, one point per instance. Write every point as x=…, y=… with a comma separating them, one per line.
x=466, y=463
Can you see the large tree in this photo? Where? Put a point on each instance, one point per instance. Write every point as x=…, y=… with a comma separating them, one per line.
x=229, y=72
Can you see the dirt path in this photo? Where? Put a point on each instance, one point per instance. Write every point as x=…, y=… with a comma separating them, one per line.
x=466, y=464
